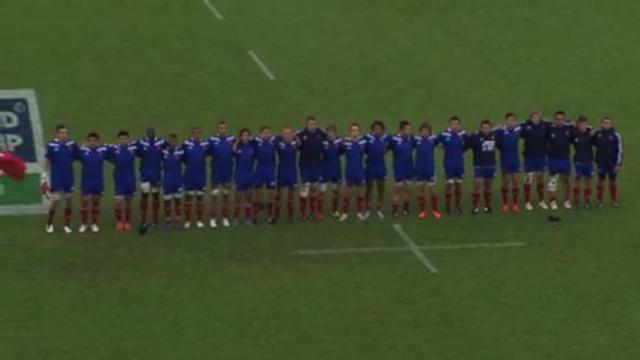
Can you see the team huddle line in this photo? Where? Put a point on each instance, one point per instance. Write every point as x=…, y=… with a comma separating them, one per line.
x=262, y=171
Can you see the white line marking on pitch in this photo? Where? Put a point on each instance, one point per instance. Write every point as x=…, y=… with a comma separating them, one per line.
x=213, y=9
x=261, y=65
x=414, y=248
x=375, y=249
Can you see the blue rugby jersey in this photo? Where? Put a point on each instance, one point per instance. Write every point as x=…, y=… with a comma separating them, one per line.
x=123, y=158
x=535, y=138
x=425, y=150
x=195, y=155
x=507, y=141
x=332, y=149
x=354, y=150
x=402, y=149
x=582, y=146
x=484, y=149
x=245, y=159
x=287, y=156
x=559, y=141
x=61, y=155
x=221, y=150
x=172, y=159
x=453, y=143
x=311, y=147
x=265, y=153
x=609, y=148
x=150, y=153
x=92, y=160
x=376, y=148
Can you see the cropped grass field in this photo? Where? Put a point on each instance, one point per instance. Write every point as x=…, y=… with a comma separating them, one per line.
x=570, y=292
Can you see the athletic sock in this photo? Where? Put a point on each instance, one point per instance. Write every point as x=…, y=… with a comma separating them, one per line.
x=84, y=212
x=600, y=192
x=587, y=194
x=127, y=213
x=303, y=206
x=434, y=202
x=505, y=195
x=421, y=203
x=67, y=215
x=527, y=193
x=475, y=199
x=187, y=210
x=515, y=194
x=447, y=201
x=199, y=209
x=487, y=198
x=613, y=190
x=167, y=211
x=576, y=193
x=360, y=204
x=458, y=195
x=540, y=188
x=144, y=203
x=345, y=204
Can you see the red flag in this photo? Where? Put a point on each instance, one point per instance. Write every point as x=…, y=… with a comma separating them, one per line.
x=12, y=166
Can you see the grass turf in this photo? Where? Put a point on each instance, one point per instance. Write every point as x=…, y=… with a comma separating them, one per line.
x=102, y=65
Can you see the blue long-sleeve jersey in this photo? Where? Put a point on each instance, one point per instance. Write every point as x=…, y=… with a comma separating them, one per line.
x=484, y=148
x=559, y=141
x=331, y=159
x=453, y=143
x=507, y=141
x=535, y=138
x=608, y=145
x=425, y=150
x=582, y=146
x=150, y=153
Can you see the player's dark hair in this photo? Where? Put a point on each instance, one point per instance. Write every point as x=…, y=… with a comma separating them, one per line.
x=560, y=113
x=378, y=123
x=310, y=118
x=354, y=124
x=195, y=128
x=331, y=128
x=402, y=124
x=173, y=136
x=264, y=127
x=60, y=127
x=243, y=131
x=454, y=118
x=122, y=133
x=485, y=122
x=93, y=135
x=581, y=119
x=509, y=114
x=426, y=126
x=222, y=122
x=606, y=117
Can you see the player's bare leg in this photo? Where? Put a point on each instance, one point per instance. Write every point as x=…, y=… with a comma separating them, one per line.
x=504, y=191
x=488, y=192
x=478, y=184
x=566, y=191
x=433, y=194
x=238, y=204
x=540, y=190
x=118, y=208
x=188, y=202
x=128, y=203
x=515, y=192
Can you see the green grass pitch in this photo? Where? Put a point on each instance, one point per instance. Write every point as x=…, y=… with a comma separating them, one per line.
x=570, y=293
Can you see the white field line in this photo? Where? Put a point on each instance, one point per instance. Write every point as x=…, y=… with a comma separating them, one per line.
x=213, y=9
x=377, y=249
x=261, y=65
x=414, y=248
